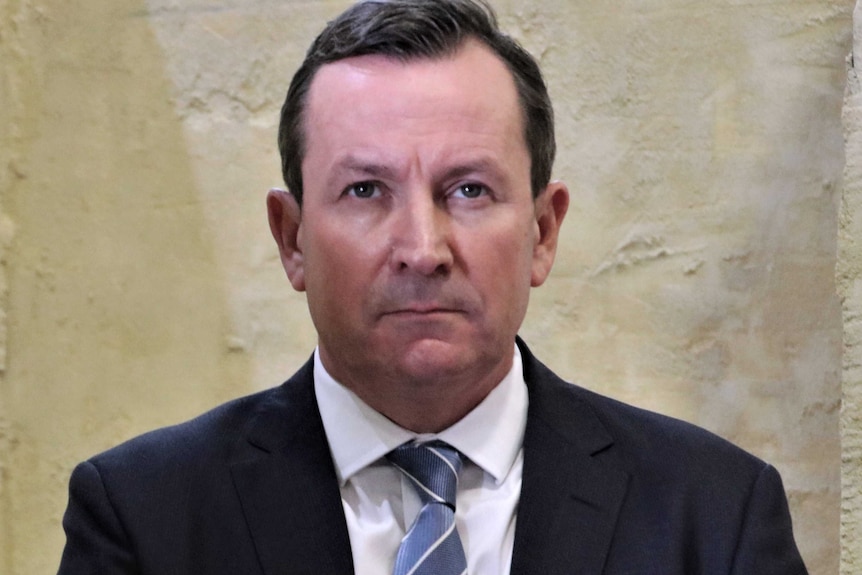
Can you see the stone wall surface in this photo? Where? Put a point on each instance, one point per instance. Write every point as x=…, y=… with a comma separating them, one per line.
x=849, y=275
x=702, y=141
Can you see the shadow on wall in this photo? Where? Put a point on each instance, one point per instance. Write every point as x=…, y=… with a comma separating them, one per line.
x=117, y=314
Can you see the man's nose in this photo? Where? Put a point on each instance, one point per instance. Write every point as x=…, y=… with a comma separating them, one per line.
x=421, y=238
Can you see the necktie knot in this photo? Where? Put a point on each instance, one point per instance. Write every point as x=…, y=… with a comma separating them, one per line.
x=432, y=467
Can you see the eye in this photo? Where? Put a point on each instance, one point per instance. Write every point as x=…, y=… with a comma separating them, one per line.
x=362, y=190
x=470, y=191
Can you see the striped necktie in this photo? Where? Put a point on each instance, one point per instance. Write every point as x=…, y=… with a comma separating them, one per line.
x=432, y=545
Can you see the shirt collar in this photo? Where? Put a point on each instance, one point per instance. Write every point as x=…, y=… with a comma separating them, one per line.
x=490, y=435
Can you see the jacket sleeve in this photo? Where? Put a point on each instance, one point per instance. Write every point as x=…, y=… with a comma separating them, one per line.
x=96, y=542
x=766, y=545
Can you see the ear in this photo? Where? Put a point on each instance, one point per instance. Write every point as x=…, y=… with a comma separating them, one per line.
x=550, y=208
x=285, y=219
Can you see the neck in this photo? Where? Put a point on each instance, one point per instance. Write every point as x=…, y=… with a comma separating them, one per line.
x=425, y=411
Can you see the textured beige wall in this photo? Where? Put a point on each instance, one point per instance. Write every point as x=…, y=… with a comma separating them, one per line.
x=702, y=141
x=849, y=274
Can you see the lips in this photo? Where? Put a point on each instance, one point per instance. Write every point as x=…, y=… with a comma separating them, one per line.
x=423, y=311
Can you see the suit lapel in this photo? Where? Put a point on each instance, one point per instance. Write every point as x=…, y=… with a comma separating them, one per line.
x=287, y=484
x=572, y=488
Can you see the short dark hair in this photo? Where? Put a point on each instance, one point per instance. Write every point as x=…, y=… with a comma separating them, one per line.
x=411, y=29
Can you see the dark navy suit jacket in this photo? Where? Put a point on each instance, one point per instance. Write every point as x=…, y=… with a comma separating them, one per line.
x=250, y=488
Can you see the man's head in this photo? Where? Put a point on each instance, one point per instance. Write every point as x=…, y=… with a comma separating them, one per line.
x=413, y=29
x=421, y=232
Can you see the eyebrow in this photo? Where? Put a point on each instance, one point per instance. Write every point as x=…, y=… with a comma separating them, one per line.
x=358, y=165
x=372, y=168
x=481, y=165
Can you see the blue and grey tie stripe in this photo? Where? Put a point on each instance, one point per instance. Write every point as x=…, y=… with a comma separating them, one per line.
x=432, y=545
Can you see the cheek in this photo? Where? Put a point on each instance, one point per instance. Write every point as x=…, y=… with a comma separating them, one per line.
x=338, y=266
x=505, y=261
x=513, y=247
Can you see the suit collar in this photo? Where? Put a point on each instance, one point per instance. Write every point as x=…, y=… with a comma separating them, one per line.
x=283, y=473
x=573, y=486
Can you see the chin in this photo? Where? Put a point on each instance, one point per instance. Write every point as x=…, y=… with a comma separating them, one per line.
x=434, y=359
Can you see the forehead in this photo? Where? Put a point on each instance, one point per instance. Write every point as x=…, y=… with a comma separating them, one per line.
x=376, y=99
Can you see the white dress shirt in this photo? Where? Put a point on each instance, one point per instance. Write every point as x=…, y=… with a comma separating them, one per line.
x=380, y=503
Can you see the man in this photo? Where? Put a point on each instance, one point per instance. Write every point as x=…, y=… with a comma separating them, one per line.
x=423, y=437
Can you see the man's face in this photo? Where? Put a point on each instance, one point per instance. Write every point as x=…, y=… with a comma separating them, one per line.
x=418, y=239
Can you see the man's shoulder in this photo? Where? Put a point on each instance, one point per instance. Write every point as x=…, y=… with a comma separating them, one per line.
x=213, y=434
x=636, y=430
x=209, y=435
x=163, y=482
x=675, y=495
x=640, y=440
